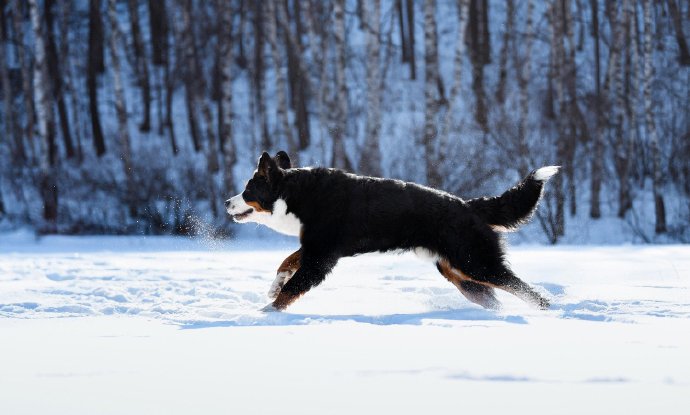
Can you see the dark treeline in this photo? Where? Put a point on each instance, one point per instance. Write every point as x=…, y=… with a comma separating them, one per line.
x=125, y=116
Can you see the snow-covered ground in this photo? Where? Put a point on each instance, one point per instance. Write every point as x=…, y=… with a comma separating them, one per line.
x=168, y=325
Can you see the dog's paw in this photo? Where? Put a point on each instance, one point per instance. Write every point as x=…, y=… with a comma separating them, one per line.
x=270, y=309
x=281, y=279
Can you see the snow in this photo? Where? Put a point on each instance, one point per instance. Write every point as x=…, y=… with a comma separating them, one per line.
x=171, y=325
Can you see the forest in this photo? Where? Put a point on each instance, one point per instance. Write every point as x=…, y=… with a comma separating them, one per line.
x=143, y=116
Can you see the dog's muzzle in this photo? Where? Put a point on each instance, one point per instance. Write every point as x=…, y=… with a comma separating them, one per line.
x=237, y=208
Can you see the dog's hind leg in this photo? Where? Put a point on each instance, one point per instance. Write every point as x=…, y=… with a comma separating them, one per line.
x=475, y=292
x=285, y=271
x=312, y=271
x=507, y=281
x=503, y=278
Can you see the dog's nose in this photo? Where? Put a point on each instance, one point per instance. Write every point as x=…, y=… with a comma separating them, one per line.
x=227, y=203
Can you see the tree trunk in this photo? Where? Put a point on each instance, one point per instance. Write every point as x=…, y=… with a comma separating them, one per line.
x=339, y=129
x=186, y=52
x=622, y=164
x=11, y=128
x=431, y=98
x=410, y=39
x=299, y=81
x=598, y=145
x=44, y=115
x=66, y=10
x=478, y=40
x=524, y=76
x=676, y=17
x=121, y=107
x=27, y=85
x=283, y=120
x=226, y=66
x=401, y=27
x=503, y=59
x=95, y=66
x=659, y=208
x=463, y=8
x=56, y=78
x=141, y=65
x=370, y=161
x=258, y=75
x=158, y=22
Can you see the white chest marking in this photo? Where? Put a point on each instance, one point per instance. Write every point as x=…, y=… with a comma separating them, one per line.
x=279, y=220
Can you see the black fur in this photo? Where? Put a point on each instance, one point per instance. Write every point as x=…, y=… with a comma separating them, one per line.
x=343, y=214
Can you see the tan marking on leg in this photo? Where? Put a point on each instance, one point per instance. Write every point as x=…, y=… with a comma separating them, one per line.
x=284, y=300
x=285, y=271
x=291, y=263
x=456, y=277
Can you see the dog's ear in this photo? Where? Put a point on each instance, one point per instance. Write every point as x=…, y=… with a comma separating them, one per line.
x=282, y=160
x=267, y=167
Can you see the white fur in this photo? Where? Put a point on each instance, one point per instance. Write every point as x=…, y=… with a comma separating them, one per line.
x=279, y=220
x=237, y=206
x=545, y=173
x=426, y=254
x=281, y=279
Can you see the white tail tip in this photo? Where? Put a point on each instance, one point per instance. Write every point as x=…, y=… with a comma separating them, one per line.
x=545, y=173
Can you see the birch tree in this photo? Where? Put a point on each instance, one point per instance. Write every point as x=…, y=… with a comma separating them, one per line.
x=597, y=139
x=95, y=66
x=226, y=116
x=12, y=133
x=339, y=129
x=44, y=115
x=370, y=161
x=431, y=95
x=284, y=128
x=659, y=207
x=27, y=79
x=141, y=65
x=121, y=105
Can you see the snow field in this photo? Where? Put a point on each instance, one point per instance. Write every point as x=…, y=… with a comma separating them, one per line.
x=163, y=325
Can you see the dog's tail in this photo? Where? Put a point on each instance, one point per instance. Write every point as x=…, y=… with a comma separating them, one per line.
x=505, y=213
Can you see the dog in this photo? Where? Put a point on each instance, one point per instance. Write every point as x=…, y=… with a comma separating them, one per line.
x=337, y=214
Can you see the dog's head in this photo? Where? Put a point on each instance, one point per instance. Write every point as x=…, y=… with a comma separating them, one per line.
x=261, y=191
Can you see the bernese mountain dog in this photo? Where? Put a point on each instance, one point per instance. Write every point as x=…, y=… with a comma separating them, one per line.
x=337, y=214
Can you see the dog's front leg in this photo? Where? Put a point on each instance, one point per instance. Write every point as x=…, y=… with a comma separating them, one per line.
x=312, y=270
x=285, y=271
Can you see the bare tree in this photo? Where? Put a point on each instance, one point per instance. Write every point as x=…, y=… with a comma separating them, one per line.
x=11, y=127
x=120, y=104
x=480, y=53
x=598, y=144
x=339, y=127
x=226, y=116
x=621, y=141
x=258, y=71
x=677, y=16
x=56, y=77
x=523, y=78
x=503, y=57
x=44, y=115
x=141, y=65
x=284, y=128
x=27, y=84
x=648, y=76
x=431, y=98
x=463, y=8
x=370, y=161
x=186, y=52
x=94, y=68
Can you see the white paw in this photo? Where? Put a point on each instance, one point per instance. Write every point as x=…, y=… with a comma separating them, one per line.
x=281, y=279
x=270, y=309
